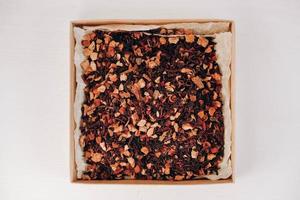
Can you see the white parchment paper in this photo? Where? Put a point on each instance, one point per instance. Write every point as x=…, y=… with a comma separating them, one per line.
x=79, y=98
x=223, y=39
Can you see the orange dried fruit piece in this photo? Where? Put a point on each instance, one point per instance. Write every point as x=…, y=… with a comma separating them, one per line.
x=198, y=82
x=145, y=150
x=162, y=40
x=189, y=38
x=173, y=40
x=202, y=41
x=201, y=114
x=96, y=157
x=211, y=111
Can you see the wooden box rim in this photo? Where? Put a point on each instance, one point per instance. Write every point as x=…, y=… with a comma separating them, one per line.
x=95, y=22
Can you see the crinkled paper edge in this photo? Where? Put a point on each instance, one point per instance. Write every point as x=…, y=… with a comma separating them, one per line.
x=198, y=28
x=223, y=50
x=79, y=99
x=223, y=40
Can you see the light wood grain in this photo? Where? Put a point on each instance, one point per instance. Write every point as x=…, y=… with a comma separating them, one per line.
x=72, y=98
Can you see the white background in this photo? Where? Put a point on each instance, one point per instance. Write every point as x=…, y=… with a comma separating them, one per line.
x=34, y=85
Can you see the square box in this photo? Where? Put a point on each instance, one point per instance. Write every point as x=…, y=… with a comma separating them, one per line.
x=80, y=23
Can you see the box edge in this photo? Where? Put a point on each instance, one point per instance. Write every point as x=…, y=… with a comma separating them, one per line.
x=74, y=23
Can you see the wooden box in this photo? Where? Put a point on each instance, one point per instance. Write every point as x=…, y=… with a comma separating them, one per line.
x=73, y=88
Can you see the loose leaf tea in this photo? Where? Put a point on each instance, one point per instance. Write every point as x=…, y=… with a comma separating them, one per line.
x=153, y=105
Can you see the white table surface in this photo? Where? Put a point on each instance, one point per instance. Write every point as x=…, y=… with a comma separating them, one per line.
x=34, y=83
